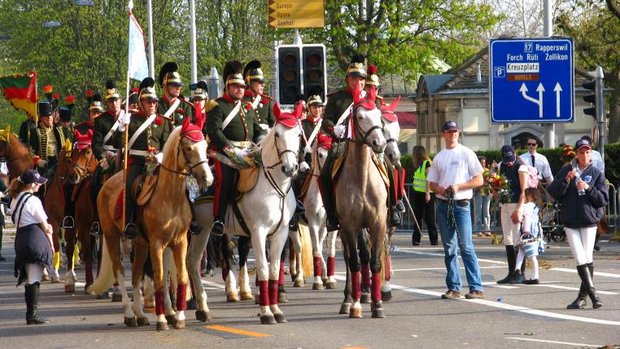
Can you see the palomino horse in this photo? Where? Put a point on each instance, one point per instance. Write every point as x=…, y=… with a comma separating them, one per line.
x=81, y=165
x=361, y=197
x=17, y=156
x=324, y=273
x=266, y=209
x=164, y=222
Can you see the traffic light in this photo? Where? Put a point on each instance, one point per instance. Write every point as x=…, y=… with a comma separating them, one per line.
x=315, y=77
x=590, y=98
x=289, y=68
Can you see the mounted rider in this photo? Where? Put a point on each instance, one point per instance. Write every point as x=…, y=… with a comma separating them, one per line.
x=231, y=128
x=172, y=104
x=262, y=104
x=46, y=140
x=148, y=132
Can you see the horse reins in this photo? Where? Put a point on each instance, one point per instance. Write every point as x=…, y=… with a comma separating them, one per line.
x=190, y=167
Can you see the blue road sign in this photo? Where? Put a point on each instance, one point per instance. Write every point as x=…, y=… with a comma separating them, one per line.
x=531, y=80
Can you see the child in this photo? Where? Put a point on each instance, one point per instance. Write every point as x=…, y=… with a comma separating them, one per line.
x=530, y=225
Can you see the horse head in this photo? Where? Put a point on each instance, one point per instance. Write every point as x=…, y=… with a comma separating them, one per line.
x=5, y=142
x=15, y=153
x=81, y=161
x=194, y=150
x=323, y=145
x=287, y=139
x=391, y=131
x=367, y=121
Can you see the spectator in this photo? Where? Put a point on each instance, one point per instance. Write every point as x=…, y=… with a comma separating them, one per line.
x=580, y=188
x=537, y=160
x=530, y=227
x=482, y=205
x=423, y=197
x=456, y=171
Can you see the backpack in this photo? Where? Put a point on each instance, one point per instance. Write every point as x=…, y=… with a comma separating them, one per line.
x=532, y=175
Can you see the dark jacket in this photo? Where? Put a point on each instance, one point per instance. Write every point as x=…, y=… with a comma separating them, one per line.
x=264, y=109
x=512, y=175
x=580, y=211
x=241, y=128
x=183, y=110
x=103, y=125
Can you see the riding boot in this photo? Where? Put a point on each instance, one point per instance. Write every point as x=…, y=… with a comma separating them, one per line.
x=395, y=217
x=95, y=229
x=293, y=224
x=327, y=194
x=580, y=302
x=512, y=263
x=32, y=303
x=300, y=208
x=585, y=272
x=131, y=230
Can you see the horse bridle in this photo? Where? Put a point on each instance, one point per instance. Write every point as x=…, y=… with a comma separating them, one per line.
x=189, y=167
x=366, y=134
x=268, y=174
x=83, y=172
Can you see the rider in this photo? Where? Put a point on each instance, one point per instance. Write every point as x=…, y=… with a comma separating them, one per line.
x=172, y=104
x=262, y=104
x=339, y=106
x=46, y=140
x=148, y=131
x=231, y=129
x=65, y=123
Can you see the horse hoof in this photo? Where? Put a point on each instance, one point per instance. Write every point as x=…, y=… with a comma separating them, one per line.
x=203, y=316
x=131, y=322
x=179, y=324
x=247, y=296
x=331, y=285
x=344, y=308
x=45, y=278
x=267, y=320
x=365, y=298
x=232, y=297
x=170, y=319
x=280, y=318
x=162, y=326
x=103, y=295
x=282, y=297
x=55, y=280
x=317, y=287
x=355, y=313
x=191, y=304
x=386, y=296
x=298, y=283
x=378, y=313
x=69, y=288
x=116, y=297
x=143, y=321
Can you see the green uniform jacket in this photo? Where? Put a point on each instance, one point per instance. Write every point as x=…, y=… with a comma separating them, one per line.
x=337, y=103
x=264, y=109
x=308, y=127
x=241, y=128
x=103, y=124
x=184, y=109
x=153, y=138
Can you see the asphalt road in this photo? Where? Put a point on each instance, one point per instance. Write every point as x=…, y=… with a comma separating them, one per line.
x=511, y=316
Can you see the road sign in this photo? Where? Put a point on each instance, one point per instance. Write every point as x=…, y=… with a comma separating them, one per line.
x=531, y=80
x=296, y=13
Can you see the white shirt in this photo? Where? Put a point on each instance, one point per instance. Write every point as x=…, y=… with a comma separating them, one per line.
x=540, y=162
x=455, y=166
x=597, y=161
x=32, y=213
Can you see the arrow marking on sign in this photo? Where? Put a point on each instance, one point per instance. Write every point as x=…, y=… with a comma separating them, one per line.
x=557, y=89
x=540, y=89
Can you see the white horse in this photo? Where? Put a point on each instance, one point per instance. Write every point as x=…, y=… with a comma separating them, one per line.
x=266, y=210
x=324, y=273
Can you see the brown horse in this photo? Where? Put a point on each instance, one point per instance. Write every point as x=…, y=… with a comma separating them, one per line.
x=164, y=222
x=360, y=188
x=81, y=165
x=15, y=153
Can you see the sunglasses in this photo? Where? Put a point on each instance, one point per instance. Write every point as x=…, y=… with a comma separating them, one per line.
x=532, y=144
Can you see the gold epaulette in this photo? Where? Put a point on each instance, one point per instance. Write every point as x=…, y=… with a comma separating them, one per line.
x=210, y=105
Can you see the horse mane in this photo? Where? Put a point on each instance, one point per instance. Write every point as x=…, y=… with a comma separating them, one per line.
x=171, y=143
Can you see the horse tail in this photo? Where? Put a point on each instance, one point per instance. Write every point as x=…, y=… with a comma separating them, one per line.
x=105, y=279
x=306, y=251
x=148, y=266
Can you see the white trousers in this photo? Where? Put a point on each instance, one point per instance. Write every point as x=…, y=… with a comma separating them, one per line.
x=35, y=272
x=533, y=262
x=581, y=242
x=511, y=231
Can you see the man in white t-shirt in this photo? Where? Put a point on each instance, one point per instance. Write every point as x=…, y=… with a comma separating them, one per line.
x=456, y=171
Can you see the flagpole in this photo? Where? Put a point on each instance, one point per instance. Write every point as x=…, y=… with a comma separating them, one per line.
x=126, y=133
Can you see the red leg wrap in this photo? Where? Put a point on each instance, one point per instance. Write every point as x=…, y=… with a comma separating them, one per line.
x=318, y=267
x=273, y=292
x=181, y=296
x=263, y=295
x=375, y=293
x=331, y=266
x=356, y=290
x=365, y=276
x=159, y=303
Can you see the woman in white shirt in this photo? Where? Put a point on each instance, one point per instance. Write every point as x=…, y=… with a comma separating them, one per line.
x=33, y=241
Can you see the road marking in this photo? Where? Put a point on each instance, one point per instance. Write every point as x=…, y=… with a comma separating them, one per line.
x=581, y=345
x=496, y=285
x=545, y=284
x=433, y=254
x=236, y=331
x=596, y=273
x=438, y=268
x=212, y=284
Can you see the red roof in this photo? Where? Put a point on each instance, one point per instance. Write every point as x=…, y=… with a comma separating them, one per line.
x=407, y=119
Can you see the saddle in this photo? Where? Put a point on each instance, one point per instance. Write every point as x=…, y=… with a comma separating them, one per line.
x=379, y=163
x=247, y=179
x=143, y=187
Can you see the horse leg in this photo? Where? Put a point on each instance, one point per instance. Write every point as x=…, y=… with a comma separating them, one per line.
x=316, y=235
x=386, y=288
x=276, y=245
x=282, y=295
x=295, y=255
x=179, y=253
x=157, y=260
x=265, y=285
x=169, y=284
x=245, y=291
x=364, y=254
x=331, y=260
x=377, y=248
x=350, y=240
x=148, y=292
x=226, y=255
x=137, y=277
x=70, y=277
x=196, y=248
x=345, y=307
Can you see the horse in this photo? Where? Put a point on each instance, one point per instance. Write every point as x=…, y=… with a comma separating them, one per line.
x=82, y=163
x=316, y=217
x=360, y=187
x=16, y=154
x=164, y=220
x=278, y=151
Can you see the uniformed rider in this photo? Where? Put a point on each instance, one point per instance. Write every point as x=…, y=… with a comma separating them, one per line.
x=262, y=104
x=47, y=140
x=172, y=104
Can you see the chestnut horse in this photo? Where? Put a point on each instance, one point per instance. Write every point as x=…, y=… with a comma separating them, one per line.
x=360, y=189
x=164, y=222
x=16, y=154
x=267, y=208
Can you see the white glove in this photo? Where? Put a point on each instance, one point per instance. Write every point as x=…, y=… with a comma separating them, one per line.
x=125, y=117
x=241, y=153
x=339, y=131
x=109, y=154
x=104, y=164
x=307, y=149
x=41, y=163
x=159, y=157
x=304, y=167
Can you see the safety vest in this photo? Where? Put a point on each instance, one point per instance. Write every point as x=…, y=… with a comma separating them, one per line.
x=419, y=177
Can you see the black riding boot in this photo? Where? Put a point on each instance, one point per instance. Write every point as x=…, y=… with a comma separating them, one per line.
x=32, y=303
x=580, y=302
x=512, y=263
x=327, y=194
x=293, y=224
x=585, y=273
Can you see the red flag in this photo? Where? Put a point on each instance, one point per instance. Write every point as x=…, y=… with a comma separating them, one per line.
x=21, y=92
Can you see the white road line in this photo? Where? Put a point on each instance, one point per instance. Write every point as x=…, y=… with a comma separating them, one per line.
x=434, y=254
x=496, y=285
x=505, y=306
x=550, y=285
x=596, y=273
x=440, y=268
x=581, y=345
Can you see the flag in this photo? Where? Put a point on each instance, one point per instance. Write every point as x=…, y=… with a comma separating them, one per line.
x=21, y=91
x=138, y=66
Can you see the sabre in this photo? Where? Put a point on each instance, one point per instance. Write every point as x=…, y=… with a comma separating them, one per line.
x=412, y=214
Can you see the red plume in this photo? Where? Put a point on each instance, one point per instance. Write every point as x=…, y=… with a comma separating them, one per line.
x=191, y=131
x=290, y=120
x=388, y=112
x=89, y=92
x=199, y=116
x=372, y=69
x=324, y=141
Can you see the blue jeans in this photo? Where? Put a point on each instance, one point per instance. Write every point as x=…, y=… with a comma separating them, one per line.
x=458, y=237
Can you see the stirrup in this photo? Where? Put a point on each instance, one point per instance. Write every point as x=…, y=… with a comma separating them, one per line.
x=67, y=222
x=195, y=229
x=400, y=207
x=300, y=208
x=95, y=229
x=217, y=228
x=131, y=231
